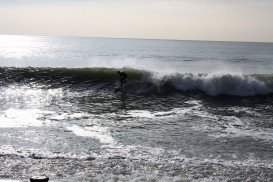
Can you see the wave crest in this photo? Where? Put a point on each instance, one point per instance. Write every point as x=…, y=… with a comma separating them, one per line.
x=220, y=84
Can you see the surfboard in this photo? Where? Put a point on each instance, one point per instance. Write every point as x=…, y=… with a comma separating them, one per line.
x=128, y=87
x=118, y=89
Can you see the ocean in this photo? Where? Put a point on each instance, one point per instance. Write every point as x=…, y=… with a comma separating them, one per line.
x=190, y=110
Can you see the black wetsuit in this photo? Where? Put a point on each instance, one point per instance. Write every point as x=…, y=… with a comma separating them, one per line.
x=123, y=78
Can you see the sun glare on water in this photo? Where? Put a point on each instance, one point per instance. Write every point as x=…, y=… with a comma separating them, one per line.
x=19, y=47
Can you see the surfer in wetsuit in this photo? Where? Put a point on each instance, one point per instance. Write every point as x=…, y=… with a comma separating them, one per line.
x=123, y=77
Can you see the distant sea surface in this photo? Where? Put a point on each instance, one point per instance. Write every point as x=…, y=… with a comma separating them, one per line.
x=190, y=110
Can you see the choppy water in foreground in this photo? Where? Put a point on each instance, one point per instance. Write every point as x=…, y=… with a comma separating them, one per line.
x=191, y=111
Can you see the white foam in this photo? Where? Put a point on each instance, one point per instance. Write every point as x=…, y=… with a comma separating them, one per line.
x=217, y=84
x=194, y=109
x=96, y=132
x=141, y=114
x=34, y=152
x=22, y=118
x=233, y=127
x=65, y=116
x=265, y=134
x=238, y=128
x=29, y=96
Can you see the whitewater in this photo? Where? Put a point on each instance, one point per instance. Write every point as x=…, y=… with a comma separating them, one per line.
x=191, y=110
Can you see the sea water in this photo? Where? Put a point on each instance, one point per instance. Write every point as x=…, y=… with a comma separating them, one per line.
x=191, y=110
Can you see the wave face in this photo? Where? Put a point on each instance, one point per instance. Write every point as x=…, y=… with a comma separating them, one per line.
x=61, y=76
x=141, y=81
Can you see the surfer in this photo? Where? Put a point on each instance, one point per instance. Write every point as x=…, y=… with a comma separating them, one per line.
x=123, y=77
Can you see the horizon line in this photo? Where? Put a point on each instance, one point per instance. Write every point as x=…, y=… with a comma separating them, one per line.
x=134, y=38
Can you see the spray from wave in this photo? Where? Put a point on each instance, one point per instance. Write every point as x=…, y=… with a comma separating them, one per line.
x=221, y=84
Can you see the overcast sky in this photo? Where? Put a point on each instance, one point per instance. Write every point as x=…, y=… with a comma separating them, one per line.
x=233, y=20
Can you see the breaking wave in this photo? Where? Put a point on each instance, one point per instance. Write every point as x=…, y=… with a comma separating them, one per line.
x=140, y=81
x=222, y=84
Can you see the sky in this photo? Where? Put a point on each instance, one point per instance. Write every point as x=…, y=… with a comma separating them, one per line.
x=227, y=20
